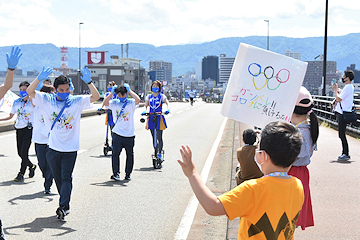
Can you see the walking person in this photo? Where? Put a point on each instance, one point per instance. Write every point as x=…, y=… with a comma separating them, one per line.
x=40, y=138
x=155, y=102
x=310, y=133
x=62, y=114
x=23, y=125
x=344, y=102
x=123, y=132
x=12, y=60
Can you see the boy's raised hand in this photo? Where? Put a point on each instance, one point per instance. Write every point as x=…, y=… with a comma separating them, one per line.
x=187, y=164
x=45, y=73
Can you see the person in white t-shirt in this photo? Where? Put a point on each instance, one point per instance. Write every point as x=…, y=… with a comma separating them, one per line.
x=23, y=125
x=123, y=132
x=62, y=113
x=40, y=137
x=345, y=100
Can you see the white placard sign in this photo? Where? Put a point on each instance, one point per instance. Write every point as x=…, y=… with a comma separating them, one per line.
x=7, y=101
x=263, y=86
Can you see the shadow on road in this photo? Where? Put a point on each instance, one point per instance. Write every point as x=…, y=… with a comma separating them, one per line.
x=111, y=183
x=102, y=156
x=148, y=169
x=39, y=225
x=31, y=197
x=2, y=155
x=12, y=182
x=342, y=161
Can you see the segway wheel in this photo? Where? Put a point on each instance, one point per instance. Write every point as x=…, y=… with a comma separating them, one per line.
x=156, y=163
x=106, y=151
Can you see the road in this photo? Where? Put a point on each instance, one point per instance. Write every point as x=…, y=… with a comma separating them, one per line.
x=150, y=206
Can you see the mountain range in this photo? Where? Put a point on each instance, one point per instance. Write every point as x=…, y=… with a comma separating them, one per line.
x=344, y=50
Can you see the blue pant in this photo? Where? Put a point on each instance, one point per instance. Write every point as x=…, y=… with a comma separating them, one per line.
x=118, y=143
x=62, y=165
x=41, y=150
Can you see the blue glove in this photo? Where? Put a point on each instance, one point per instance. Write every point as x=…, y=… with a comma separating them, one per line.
x=143, y=113
x=113, y=89
x=14, y=57
x=99, y=109
x=167, y=111
x=39, y=86
x=127, y=86
x=86, y=76
x=71, y=85
x=44, y=74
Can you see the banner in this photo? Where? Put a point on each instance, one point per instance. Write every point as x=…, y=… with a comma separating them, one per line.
x=96, y=57
x=263, y=86
x=7, y=101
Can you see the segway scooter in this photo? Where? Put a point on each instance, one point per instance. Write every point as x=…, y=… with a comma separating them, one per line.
x=107, y=147
x=157, y=162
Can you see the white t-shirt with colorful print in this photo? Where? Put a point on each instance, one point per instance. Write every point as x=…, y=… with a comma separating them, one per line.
x=124, y=125
x=64, y=137
x=24, y=111
x=40, y=131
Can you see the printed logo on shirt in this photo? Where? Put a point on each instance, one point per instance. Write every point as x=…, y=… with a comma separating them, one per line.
x=124, y=117
x=264, y=225
x=23, y=115
x=65, y=121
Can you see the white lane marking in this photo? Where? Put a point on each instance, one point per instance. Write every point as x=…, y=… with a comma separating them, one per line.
x=81, y=151
x=180, y=112
x=189, y=214
x=187, y=109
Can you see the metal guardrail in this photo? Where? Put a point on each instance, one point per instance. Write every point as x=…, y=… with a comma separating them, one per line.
x=323, y=109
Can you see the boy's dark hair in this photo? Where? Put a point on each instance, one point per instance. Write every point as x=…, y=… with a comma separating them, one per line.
x=249, y=136
x=47, y=88
x=282, y=141
x=61, y=80
x=349, y=73
x=122, y=90
x=24, y=83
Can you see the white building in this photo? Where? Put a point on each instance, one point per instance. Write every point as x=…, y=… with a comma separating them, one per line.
x=295, y=55
x=226, y=64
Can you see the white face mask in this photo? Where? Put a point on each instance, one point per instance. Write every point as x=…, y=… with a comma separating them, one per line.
x=257, y=163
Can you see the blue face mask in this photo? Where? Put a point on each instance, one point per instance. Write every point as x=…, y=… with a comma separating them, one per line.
x=123, y=99
x=109, y=89
x=155, y=89
x=23, y=94
x=63, y=96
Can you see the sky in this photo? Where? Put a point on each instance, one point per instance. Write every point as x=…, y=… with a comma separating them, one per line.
x=168, y=22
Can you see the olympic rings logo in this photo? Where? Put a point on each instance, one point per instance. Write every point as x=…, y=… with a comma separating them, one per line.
x=269, y=74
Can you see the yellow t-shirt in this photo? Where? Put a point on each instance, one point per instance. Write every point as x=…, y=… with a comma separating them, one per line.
x=268, y=207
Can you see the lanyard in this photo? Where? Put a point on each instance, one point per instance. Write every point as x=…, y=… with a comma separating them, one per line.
x=278, y=174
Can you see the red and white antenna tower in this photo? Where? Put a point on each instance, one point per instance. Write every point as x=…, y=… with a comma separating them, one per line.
x=64, y=57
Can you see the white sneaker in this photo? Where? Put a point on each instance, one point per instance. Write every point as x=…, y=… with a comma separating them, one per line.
x=343, y=157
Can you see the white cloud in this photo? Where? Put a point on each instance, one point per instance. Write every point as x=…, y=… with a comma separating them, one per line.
x=168, y=22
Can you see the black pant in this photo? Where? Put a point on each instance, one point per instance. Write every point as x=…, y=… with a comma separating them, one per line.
x=118, y=143
x=159, y=140
x=342, y=133
x=23, y=140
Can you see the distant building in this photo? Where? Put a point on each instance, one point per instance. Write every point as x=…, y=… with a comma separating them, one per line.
x=210, y=68
x=226, y=64
x=357, y=73
x=121, y=70
x=198, y=70
x=163, y=69
x=314, y=73
x=295, y=55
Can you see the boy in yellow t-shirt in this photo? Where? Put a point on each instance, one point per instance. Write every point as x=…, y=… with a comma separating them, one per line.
x=268, y=206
